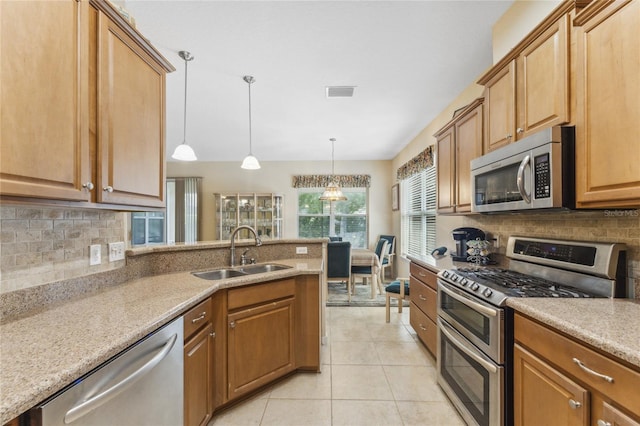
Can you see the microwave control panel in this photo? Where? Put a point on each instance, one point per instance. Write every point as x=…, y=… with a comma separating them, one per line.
x=542, y=176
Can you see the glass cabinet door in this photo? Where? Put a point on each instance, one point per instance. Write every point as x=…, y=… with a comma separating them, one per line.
x=277, y=213
x=226, y=206
x=246, y=214
x=264, y=215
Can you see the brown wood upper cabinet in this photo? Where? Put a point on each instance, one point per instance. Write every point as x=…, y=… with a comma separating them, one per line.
x=458, y=142
x=528, y=90
x=83, y=111
x=608, y=105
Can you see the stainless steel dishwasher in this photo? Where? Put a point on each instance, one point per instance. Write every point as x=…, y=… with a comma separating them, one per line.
x=143, y=385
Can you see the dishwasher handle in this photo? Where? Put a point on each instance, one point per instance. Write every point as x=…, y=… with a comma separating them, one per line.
x=85, y=407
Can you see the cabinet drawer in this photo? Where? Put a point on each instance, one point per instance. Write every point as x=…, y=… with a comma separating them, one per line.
x=425, y=328
x=424, y=297
x=423, y=274
x=198, y=316
x=255, y=294
x=564, y=353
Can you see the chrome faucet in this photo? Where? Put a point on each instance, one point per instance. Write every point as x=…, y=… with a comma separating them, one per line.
x=233, y=241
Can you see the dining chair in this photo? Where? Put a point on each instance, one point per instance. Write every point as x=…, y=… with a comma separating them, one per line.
x=339, y=263
x=386, y=261
x=398, y=289
x=368, y=272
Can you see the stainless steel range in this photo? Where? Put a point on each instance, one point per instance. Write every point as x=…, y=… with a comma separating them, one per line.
x=475, y=327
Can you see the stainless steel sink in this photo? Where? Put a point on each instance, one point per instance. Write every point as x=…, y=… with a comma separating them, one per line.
x=267, y=267
x=219, y=274
x=222, y=274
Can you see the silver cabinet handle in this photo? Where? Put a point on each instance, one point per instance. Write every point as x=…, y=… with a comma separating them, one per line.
x=520, y=179
x=199, y=317
x=586, y=369
x=422, y=327
x=85, y=407
x=88, y=186
x=520, y=130
x=575, y=404
x=603, y=423
x=232, y=324
x=422, y=297
x=422, y=274
x=108, y=189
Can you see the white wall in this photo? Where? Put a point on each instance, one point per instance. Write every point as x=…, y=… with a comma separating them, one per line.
x=276, y=176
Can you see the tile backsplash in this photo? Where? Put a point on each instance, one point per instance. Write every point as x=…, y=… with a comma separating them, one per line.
x=619, y=226
x=42, y=245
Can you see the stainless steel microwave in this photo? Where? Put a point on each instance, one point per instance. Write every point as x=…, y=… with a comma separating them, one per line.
x=537, y=172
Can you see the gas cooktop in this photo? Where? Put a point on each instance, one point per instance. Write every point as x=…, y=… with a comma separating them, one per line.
x=546, y=268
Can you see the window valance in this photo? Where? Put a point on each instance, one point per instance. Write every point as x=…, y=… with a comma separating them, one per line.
x=416, y=164
x=321, y=181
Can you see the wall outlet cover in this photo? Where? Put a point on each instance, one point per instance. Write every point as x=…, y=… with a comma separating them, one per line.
x=301, y=250
x=116, y=251
x=95, y=254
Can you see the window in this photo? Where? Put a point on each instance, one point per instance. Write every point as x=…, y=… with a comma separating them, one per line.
x=147, y=228
x=419, y=213
x=346, y=219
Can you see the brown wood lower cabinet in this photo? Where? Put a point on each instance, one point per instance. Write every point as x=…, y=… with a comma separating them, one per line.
x=559, y=380
x=423, y=308
x=199, y=359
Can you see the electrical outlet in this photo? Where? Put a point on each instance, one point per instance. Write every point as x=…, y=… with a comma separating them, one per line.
x=496, y=241
x=95, y=254
x=301, y=250
x=116, y=251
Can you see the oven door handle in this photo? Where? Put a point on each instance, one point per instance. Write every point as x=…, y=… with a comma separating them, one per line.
x=520, y=180
x=470, y=303
x=485, y=364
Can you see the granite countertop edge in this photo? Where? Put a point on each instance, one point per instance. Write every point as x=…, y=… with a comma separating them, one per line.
x=43, y=353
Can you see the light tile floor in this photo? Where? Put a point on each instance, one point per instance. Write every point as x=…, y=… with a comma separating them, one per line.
x=373, y=373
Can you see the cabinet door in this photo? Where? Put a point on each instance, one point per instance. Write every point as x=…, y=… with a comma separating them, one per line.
x=446, y=170
x=544, y=396
x=198, y=377
x=260, y=345
x=468, y=146
x=543, y=81
x=44, y=91
x=131, y=115
x=499, y=96
x=608, y=100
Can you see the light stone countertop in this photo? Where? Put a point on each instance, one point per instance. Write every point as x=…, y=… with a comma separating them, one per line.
x=611, y=325
x=42, y=353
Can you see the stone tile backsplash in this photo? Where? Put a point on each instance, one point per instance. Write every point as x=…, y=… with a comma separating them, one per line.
x=42, y=245
x=619, y=226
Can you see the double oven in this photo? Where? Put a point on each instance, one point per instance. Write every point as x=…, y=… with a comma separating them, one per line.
x=475, y=325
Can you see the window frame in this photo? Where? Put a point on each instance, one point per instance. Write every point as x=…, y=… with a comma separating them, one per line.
x=418, y=210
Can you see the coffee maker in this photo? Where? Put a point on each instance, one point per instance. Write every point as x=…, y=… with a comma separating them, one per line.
x=461, y=236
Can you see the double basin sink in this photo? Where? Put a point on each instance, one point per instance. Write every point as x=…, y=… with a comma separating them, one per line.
x=224, y=273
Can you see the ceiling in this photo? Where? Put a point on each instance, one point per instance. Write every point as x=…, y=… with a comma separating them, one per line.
x=407, y=59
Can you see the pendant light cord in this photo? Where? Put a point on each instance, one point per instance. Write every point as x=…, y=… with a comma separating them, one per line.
x=184, y=135
x=250, y=145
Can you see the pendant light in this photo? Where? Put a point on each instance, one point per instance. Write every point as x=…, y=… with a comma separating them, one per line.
x=250, y=162
x=183, y=151
x=332, y=192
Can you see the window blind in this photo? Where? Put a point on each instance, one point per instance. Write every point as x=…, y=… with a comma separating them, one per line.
x=419, y=213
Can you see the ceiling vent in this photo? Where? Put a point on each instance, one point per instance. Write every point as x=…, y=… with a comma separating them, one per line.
x=340, y=91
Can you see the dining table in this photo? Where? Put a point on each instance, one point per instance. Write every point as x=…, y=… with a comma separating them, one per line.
x=366, y=257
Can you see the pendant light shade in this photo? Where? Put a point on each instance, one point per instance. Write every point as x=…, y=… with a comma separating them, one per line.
x=250, y=162
x=184, y=152
x=332, y=191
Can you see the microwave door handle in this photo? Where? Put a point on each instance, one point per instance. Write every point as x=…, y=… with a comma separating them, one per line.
x=520, y=179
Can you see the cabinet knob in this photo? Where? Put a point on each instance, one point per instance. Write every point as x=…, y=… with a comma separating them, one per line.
x=232, y=324
x=520, y=130
x=574, y=404
x=603, y=423
x=212, y=334
x=88, y=186
x=108, y=189
x=509, y=136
